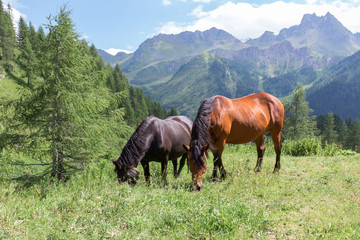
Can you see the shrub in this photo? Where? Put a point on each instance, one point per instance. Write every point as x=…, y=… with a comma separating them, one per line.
x=335, y=150
x=312, y=147
x=302, y=147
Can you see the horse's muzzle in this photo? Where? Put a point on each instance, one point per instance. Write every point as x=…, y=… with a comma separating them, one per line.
x=197, y=187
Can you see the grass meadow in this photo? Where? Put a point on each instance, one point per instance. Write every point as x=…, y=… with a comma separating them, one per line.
x=311, y=198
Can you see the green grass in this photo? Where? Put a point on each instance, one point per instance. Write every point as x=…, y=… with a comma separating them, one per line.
x=311, y=198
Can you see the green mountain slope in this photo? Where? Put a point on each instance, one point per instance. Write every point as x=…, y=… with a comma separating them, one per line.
x=161, y=56
x=338, y=91
x=204, y=76
x=285, y=84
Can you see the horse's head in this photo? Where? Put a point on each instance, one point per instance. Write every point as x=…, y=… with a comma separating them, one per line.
x=125, y=173
x=197, y=162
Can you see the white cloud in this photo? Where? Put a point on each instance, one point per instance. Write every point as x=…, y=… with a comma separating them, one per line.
x=84, y=36
x=166, y=2
x=202, y=1
x=13, y=3
x=198, y=12
x=14, y=13
x=245, y=20
x=114, y=51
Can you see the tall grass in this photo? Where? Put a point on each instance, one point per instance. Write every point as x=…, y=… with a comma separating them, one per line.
x=311, y=197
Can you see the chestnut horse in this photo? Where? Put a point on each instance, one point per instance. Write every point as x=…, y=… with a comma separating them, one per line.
x=154, y=140
x=222, y=120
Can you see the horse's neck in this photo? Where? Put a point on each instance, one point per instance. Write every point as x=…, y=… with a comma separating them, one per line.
x=137, y=151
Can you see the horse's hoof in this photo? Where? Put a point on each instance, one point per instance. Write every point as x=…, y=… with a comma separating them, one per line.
x=257, y=169
x=276, y=170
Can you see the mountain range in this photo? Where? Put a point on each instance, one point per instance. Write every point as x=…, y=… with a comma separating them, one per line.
x=180, y=70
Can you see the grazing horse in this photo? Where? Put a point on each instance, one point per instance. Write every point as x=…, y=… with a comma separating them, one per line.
x=154, y=140
x=221, y=120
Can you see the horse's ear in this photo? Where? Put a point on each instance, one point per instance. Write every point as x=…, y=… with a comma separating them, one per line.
x=205, y=147
x=186, y=147
x=115, y=163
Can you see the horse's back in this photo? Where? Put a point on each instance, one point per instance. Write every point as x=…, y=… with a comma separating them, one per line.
x=169, y=136
x=258, y=105
x=177, y=130
x=182, y=120
x=275, y=109
x=244, y=119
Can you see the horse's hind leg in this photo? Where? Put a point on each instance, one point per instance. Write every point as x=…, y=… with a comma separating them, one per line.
x=277, y=145
x=174, y=161
x=260, y=147
x=164, y=164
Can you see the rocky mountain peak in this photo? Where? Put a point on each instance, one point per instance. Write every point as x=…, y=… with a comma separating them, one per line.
x=309, y=20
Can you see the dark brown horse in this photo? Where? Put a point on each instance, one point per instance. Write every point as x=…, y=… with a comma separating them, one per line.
x=154, y=140
x=221, y=120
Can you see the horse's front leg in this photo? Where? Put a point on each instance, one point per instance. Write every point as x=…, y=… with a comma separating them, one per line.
x=145, y=166
x=221, y=168
x=182, y=163
x=218, y=164
x=218, y=161
x=214, y=174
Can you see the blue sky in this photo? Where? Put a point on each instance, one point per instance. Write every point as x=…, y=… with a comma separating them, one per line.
x=125, y=24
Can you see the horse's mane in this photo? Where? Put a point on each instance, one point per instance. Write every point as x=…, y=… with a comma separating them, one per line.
x=200, y=134
x=137, y=146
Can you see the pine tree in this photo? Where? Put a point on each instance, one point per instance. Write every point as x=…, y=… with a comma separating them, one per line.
x=138, y=103
x=39, y=45
x=7, y=36
x=27, y=59
x=343, y=135
x=329, y=134
x=109, y=77
x=117, y=82
x=33, y=37
x=173, y=112
x=69, y=118
x=120, y=81
x=353, y=139
x=129, y=111
x=297, y=122
x=23, y=31
x=99, y=63
x=157, y=110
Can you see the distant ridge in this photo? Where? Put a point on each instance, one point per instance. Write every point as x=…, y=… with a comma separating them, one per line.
x=171, y=67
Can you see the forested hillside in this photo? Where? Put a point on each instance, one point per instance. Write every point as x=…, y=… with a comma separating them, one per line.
x=204, y=76
x=338, y=91
x=61, y=106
